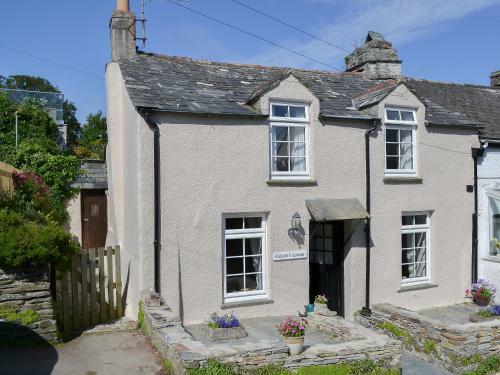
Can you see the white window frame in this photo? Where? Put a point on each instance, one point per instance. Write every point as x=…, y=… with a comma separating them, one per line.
x=401, y=125
x=289, y=122
x=418, y=228
x=491, y=213
x=245, y=233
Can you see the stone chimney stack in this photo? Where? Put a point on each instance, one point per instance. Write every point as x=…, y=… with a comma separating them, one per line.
x=495, y=79
x=375, y=59
x=122, y=27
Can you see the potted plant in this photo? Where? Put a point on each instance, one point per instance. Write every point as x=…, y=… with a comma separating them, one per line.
x=320, y=303
x=293, y=331
x=223, y=327
x=482, y=292
x=495, y=246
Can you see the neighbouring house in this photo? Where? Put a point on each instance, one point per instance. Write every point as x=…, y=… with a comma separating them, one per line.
x=53, y=104
x=87, y=211
x=252, y=189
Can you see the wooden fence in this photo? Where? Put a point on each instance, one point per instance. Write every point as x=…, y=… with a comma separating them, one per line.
x=91, y=292
x=6, y=181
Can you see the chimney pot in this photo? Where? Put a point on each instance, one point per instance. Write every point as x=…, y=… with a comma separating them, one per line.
x=123, y=5
x=495, y=79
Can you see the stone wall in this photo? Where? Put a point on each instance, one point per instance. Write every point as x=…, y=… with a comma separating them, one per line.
x=185, y=352
x=451, y=346
x=24, y=293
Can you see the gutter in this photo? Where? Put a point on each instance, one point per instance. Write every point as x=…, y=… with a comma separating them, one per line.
x=146, y=113
x=476, y=153
x=366, y=311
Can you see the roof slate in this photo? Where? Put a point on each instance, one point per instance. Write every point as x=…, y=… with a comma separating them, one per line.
x=179, y=84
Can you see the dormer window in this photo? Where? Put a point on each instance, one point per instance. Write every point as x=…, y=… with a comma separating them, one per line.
x=400, y=145
x=289, y=140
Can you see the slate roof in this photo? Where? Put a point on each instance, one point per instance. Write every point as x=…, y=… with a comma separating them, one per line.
x=179, y=84
x=94, y=176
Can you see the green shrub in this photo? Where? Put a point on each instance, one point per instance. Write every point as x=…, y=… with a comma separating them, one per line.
x=26, y=244
x=10, y=313
x=487, y=366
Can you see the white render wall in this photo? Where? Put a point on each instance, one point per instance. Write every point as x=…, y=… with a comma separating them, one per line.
x=488, y=179
x=212, y=165
x=74, y=223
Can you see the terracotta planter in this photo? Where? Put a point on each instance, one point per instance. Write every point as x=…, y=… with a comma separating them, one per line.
x=482, y=301
x=295, y=344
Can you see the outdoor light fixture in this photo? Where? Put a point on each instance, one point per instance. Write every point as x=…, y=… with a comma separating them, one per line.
x=296, y=225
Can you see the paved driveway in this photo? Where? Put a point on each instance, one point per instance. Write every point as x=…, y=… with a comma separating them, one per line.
x=109, y=353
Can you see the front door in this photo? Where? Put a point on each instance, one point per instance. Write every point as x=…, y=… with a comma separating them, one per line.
x=94, y=218
x=326, y=263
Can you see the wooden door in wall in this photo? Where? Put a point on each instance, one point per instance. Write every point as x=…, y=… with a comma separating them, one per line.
x=94, y=218
x=326, y=263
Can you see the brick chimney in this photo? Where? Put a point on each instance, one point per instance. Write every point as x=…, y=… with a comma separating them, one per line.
x=122, y=27
x=375, y=59
x=495, y=79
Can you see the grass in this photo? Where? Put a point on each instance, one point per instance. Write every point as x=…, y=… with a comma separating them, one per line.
x=168, y=367
x=140, y=320
x=9, y=312
x=466, y=360
x=397, y=332
x=487, y=366
x=430, y=348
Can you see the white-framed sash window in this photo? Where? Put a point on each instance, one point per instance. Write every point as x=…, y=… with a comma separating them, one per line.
x=400, y=144
x=494, y=225
x=289, y=140
x=244, y=256
x=415, y=247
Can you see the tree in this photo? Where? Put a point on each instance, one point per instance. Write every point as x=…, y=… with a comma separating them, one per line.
x=32, y=83
x=94, y=137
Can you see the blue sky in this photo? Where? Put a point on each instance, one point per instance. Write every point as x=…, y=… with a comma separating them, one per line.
x=451, y=40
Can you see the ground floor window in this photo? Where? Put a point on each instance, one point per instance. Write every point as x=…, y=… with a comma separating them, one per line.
x=244, y=256
x=415, y=247
x=494, y=218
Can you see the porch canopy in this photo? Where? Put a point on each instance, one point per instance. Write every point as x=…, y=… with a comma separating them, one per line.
x=322, y=209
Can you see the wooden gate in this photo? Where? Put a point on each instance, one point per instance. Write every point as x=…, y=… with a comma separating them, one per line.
x=91, y=292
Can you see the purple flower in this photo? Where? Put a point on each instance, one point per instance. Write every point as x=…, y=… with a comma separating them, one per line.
x=494, y=310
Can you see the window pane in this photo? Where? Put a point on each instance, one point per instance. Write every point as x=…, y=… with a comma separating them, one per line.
x=420, y=219
x=280, y=164
x=297, y=112
x=420, y=270
x=406, y=163
x=298, y=164
x=392, y=114
x=234, y=284
x=253, y=264
x=318, y=244
x=234, y=265
x=408, y=256
x=253, y=246
x=419, y=239
x=407, y=240
x=408, y=271
x=407, y=219
x=280, y=133
x=391, y=149
x=234, y=223
x=392, y=162
x=420, y=255
x=297, y=149
x=405, y=149
x=280, y=110
x=328, y=230
x=391, y=135
x=405, y=136
x=253, y=222
x=234, y=247
x=281, y=149
x=297, y=134
x=328, y=244
x=407, y=115
x=253, y=282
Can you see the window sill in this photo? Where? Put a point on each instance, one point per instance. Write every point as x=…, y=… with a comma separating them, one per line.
x=492, y=258
x=250, y=302
x=283, y=181
x=420, y=286
x=403, y=179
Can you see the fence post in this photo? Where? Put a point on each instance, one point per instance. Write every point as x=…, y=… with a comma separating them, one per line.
x=85, y=304
x=74, y=293
x=102, y=291
x=93, y=289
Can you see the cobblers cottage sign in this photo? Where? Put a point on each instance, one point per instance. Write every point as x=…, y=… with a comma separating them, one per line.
x=289, y=255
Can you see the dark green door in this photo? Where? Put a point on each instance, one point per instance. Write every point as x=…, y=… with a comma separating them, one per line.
x=326, y=263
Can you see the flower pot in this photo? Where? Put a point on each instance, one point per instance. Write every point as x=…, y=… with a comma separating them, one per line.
x=320, y=307
x=482, y=301
x=295, y=344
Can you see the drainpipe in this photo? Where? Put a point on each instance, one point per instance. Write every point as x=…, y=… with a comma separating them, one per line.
x=476, y=153
x=146, y=114
x=366, y=311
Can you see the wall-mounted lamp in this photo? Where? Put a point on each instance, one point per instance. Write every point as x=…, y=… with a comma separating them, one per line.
x=296, y=225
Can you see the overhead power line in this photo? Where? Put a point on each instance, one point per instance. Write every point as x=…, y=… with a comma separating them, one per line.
x=254, y=35
x=51, y=62
x=289, y=25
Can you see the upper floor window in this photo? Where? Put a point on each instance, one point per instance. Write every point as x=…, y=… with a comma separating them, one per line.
x=289, y=140
x=400, y=145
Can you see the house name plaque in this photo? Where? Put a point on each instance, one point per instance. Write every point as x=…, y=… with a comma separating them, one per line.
x=289, y=255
